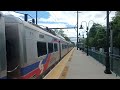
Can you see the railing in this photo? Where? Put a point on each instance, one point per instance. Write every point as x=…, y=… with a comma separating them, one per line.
x=115, y=64
x=100, y=57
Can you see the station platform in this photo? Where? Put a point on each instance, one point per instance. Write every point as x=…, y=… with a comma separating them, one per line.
x=82, y=66
x=77, y=65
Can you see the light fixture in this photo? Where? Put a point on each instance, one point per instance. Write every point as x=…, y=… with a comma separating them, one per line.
x=81, y=27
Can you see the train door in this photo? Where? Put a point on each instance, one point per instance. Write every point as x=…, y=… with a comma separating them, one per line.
x=60, y=49
x=12, y=50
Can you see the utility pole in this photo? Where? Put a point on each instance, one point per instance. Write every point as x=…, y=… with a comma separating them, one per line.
x=36, y=17
x=87, y=40
x=111, y=39
x=107, y=64
x=111, y=45
x=77, y=30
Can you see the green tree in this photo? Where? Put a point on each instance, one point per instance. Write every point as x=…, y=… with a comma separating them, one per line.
x=73, y=44
x=97, y=36
x=115, y=26
x=93, y=30
x=56, y=31
x=61, y=32
x=67, y=39
x=100, y=38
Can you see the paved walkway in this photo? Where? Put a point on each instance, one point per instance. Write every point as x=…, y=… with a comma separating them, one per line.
x=86, y=67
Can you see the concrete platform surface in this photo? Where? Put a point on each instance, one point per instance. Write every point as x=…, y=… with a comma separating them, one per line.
x=82, y=66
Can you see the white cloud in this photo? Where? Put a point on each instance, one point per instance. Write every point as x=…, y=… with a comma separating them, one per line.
x=70, y=32
x=70, y=17
x=61, y=16
x=52, y=25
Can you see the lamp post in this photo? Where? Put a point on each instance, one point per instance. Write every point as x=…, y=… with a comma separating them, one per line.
x=87, y=28
x=83, y=42
x=77, y=28
x=79, y=45
x=107, y=70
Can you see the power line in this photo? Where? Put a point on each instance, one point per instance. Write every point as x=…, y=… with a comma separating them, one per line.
x=24, y=14
x=18, y=12
x=67, y=24
x=64, y=28
x=56, y=18
x=72, y=23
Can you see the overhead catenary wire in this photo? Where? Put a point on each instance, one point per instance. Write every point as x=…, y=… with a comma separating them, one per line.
x=67, y=24
x=56, y=18
x=72, y=22
x=53, y=17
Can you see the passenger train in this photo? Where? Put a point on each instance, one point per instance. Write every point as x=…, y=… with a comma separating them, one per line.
x=26, y=50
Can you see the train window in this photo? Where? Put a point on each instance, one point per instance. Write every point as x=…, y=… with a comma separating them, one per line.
x=50, y=47
x=65, y=46
x=41, y=48
x=55, y=47
x=62, y=46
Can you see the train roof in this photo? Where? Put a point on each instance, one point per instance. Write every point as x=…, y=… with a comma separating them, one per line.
x=13, y=19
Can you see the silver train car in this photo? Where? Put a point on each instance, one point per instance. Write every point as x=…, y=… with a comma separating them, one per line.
x=30, y=51
x=3, y=67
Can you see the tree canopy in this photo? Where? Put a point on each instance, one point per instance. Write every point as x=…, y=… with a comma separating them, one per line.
x=97, y=36
x=97, y=33
x=61, y=32
x=115, y=26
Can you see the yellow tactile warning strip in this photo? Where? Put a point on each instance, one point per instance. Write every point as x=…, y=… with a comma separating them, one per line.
x=56, y=72
x=64, y=73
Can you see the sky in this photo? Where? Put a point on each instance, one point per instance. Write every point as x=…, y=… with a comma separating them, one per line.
x=61, y=19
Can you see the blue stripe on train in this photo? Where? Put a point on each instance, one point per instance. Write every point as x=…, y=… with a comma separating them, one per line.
x=31, y=67
x=5, y=77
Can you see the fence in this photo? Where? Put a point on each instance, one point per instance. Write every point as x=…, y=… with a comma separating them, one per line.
x=100, y=57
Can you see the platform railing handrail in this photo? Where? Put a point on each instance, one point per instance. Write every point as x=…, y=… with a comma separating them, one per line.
x=114, y=55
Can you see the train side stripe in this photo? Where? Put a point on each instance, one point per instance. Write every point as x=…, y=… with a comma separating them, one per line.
x=5, y=77
x=44, y=61
x=29, y=68
x=28, y=76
